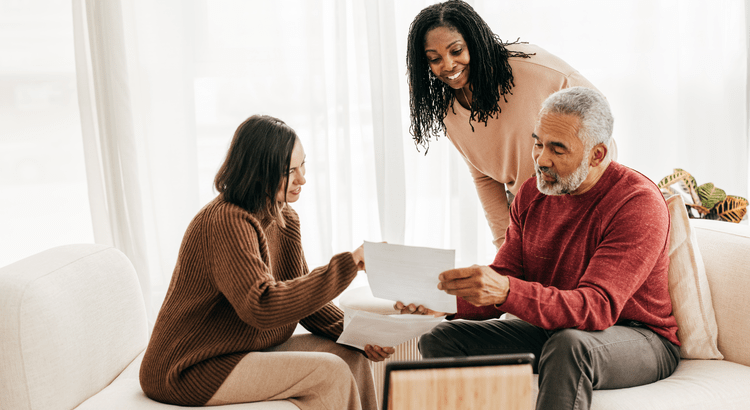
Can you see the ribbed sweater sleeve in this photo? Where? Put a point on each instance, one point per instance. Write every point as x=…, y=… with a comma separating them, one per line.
x=245, y=279
x=328, y=322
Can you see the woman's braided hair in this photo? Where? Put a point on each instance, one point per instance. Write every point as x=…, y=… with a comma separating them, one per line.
x=490, y=76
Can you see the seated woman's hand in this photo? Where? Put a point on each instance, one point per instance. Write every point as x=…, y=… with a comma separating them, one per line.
x=413, y=309
x=377, y=353
x=359, y=257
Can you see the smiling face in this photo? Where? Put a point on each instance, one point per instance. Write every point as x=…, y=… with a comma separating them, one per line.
x=448, y=56
x=560, y=160
x=296, y=176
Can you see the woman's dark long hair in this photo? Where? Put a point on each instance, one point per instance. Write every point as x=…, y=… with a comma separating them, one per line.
x=490, y=74
x=257, y=165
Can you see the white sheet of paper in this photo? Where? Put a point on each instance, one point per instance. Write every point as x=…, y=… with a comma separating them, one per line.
x=363, y=328
x=409, y=274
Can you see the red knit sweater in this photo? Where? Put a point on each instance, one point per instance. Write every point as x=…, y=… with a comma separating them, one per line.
x=240, y=285
x=587, y=261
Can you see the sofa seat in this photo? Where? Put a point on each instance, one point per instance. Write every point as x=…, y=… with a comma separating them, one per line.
x=695, y=385
x=125, y=393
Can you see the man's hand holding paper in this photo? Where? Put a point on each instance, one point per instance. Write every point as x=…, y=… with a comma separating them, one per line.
x=478, y=285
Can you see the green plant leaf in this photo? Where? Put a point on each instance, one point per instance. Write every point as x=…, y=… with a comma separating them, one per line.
x=710, y=195
x=684, y=177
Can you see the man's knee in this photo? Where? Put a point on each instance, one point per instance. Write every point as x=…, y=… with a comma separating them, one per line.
x=566, y=347
x=438, y=342
x=441, y=342
x=567, y=338
x=429, y=344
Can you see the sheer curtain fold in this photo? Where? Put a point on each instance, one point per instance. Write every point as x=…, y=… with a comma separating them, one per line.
x=387, y=122
x=108, y=132
x=747, y=88
x=132, y=191
x=163, y=85
x=89, y=125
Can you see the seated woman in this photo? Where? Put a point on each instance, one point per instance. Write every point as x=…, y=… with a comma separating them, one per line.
x=241, y=285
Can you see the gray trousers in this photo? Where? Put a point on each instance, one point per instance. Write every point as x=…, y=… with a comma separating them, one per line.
x=571, y=363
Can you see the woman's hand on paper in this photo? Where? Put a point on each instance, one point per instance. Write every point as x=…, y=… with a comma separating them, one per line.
x=359, y=257
x=412, y=309
x=377, y=353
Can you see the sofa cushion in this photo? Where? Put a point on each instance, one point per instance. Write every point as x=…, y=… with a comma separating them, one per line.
x=125, y=394
x=695, y=385
x=688, y=287
x=725, y=247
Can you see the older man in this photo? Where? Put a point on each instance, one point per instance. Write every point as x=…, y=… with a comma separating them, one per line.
x=584, y=265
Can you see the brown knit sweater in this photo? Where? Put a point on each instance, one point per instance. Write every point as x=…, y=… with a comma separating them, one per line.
x=240, y=285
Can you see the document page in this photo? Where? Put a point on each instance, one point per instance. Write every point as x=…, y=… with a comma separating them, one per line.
x=365, y=328
x=409, y=274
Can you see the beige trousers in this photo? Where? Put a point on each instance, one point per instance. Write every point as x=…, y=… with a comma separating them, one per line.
x=310, y=371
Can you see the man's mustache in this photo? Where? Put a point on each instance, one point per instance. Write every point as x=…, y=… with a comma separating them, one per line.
x=546, y=170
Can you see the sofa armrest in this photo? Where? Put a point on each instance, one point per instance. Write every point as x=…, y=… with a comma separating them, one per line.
x=725, y=248
x=73, y=318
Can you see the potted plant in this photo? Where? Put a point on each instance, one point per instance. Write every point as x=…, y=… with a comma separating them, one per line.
x=705, y=201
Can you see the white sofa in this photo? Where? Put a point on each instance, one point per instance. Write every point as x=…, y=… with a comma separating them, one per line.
x=73, y=330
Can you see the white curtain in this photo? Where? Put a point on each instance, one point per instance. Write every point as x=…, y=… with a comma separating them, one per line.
x=137, y=117
x=163, y=85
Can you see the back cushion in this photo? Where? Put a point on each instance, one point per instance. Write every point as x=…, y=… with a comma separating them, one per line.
x=689, y=288
x=73, y=317
x=725, y=247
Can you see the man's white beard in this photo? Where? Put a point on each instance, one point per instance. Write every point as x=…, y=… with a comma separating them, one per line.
x=562, y=185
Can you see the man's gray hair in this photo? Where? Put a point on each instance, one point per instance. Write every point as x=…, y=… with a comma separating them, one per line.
x=590, y=107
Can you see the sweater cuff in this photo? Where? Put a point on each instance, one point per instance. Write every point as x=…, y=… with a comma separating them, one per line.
x=470, y=312
x=511, y=302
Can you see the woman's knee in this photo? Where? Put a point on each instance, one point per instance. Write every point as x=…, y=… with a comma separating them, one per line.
x=333, y=364
x=359, y=365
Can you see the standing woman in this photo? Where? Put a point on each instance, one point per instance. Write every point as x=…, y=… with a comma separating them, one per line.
x=241, y=285
x=484, y=95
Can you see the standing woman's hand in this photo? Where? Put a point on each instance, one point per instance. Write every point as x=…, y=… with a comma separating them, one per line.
x=359, y=257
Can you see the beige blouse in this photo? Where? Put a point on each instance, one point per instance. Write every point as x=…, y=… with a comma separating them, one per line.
x=499, y=154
